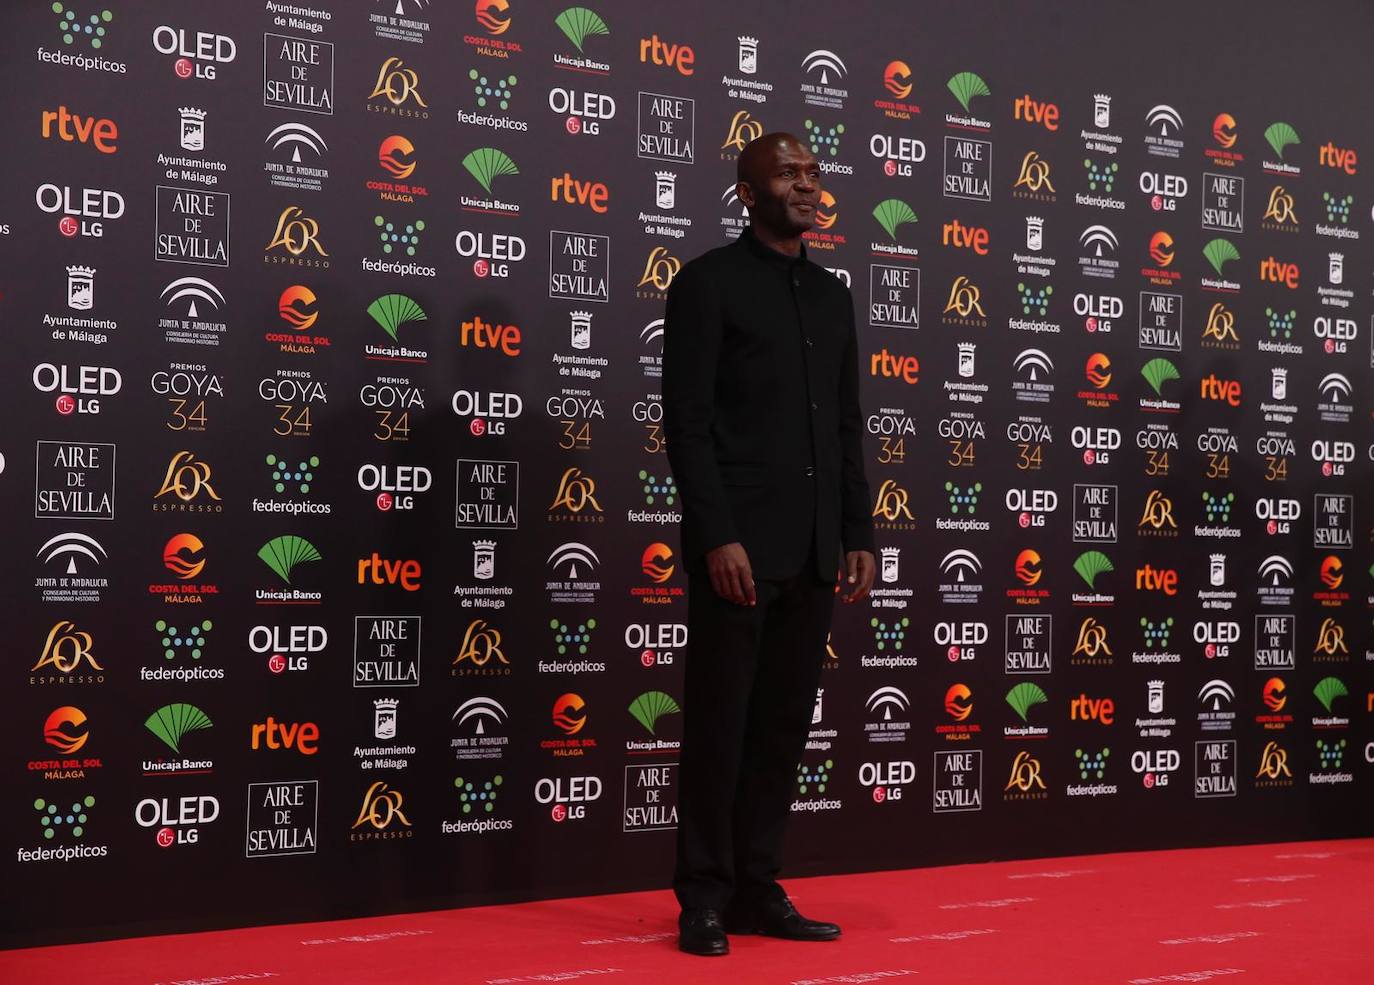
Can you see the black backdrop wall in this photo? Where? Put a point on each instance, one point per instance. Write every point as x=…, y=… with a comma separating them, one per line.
x=332, y=355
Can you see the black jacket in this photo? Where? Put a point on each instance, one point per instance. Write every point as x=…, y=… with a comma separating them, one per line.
x=761, y=410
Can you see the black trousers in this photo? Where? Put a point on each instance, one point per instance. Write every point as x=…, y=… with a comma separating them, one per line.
x=751, y=680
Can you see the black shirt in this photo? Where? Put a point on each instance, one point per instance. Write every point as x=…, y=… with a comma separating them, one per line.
x=761, y=409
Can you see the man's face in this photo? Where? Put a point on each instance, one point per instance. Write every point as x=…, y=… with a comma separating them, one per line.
x=782, y=196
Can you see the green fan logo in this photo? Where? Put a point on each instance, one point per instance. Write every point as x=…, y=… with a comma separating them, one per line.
x=1024, y=695
x=1220, y=252
x=391, y=311
x=892, y=213
x=965, y=86
x=170, y=722
x=1328, y=689
x=580, y=23
x=1157, y=372
x=1280, y=137
x=283, y=553
x=650, y=706
x=486, y=164
x=1090, y=564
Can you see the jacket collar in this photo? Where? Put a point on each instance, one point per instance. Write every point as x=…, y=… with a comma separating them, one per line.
x=767, y=253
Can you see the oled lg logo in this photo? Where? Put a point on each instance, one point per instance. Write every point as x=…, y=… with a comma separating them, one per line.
x=961, y=639
x=568, y=795
x=1097, y=444
x=886, y=780
x=658, y=643
x=287, y=647
x=487, y=412
x=197, y=54
x=78, y=388
x=396, y=486
x=84, y=210
x=583, y=111
x=492, y=254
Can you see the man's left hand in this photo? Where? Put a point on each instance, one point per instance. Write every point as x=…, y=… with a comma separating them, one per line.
x=862, y=568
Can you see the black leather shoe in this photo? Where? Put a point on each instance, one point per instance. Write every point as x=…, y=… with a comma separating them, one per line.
x=701, y=931
x=779, y=918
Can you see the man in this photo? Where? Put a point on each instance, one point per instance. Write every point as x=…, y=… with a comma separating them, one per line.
x=764, y=434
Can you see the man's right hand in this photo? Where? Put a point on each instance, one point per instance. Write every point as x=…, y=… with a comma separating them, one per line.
x=731, y=575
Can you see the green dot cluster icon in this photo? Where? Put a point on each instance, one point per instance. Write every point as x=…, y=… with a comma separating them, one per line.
x=74, y=26
x=654, y=489
x=965, y=500
x=1337, y=208
x=191, y=641
x=815, y=778
x=1100, y=177
x=1280, y=322
x=1218, y=507
x=824, y=140
x=54, y=819
x=399, y=237
x=492, y=92
x=1034, y=300
x=885, y=637
x=477, y=798
x=566, y=638
x=283, y=475
x=1092, y=764
x=1330, y=754
x=1156, y=633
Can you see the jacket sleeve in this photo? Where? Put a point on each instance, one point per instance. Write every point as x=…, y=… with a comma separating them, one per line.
x=856, y=525
x=692, y=330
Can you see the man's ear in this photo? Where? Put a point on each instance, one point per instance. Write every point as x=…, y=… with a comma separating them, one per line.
x=745, y=192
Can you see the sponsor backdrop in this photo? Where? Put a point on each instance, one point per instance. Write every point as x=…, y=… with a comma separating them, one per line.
x=342, y=565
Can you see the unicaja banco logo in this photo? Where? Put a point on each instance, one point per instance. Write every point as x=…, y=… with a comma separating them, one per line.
x=580, y=23
x=892, y=214
x=486, y=164
x=965, y=86
x=650, y=706
x=283, y=553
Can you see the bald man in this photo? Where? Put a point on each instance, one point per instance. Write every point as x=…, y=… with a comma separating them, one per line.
x=764, y=434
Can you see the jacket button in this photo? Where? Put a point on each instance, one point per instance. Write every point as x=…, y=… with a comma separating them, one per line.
x=810, y=470
x=811, y=342
x=813, y=405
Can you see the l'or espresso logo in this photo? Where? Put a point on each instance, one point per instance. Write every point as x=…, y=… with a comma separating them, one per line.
x=1024, y=781
x=85, y=211
x=488, y=494
x=891, y=509
x=1330, y=645
x=386, y=651
x=67, y=657
x=298, y=74
x=1273, y=771
x=479, y=653
x=382, y=815
x=576, y=499
x=293, y=394
x=74, y=480
x=660, y=267
x=283, y=818
x=187, y=388
x=296, y=241
x=396, y=91
x=192, y=226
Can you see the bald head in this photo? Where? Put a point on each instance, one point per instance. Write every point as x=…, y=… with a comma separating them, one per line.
x=756, y=160
x=779, y=182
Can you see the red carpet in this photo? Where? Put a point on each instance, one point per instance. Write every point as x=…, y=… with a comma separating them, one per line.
x=1276, y=914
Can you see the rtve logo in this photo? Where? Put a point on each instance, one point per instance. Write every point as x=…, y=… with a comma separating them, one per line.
x=304, y=737
x=567, y=189
x=379, y=571
x=1086, y=709
x=678, y=56
x=1337, y=157
x=1151, y=579
x=966, y=237
x=100, y=133
x=894, y=367
x=1032, y=111
x=1212, y=387
x=1278, y=272
x=485, y=335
